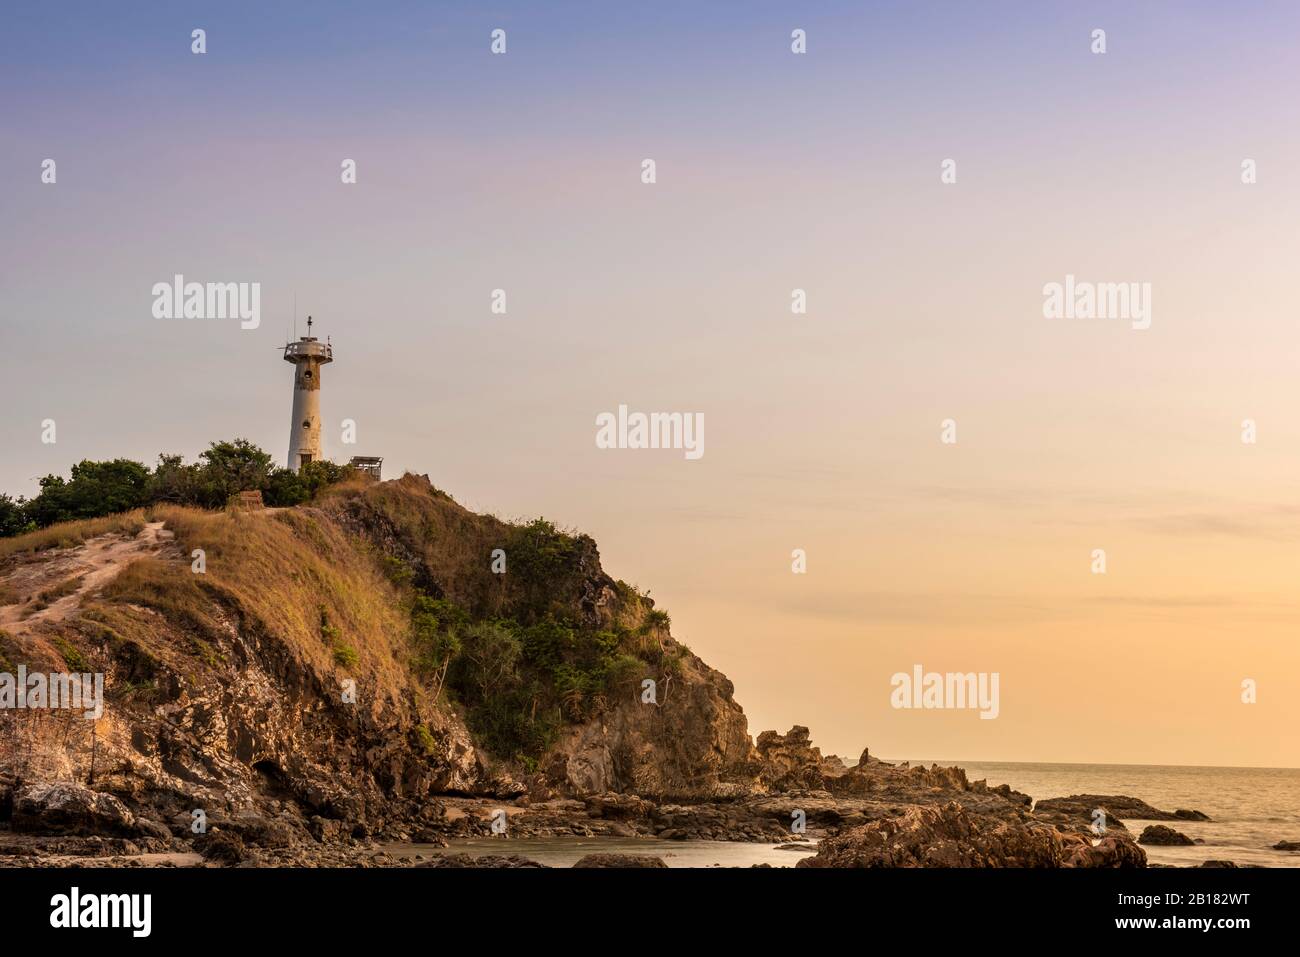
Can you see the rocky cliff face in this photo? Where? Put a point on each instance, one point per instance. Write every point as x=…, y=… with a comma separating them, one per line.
x=216, y=703
x=278, y=685
x=690, y=741
x=693, y=743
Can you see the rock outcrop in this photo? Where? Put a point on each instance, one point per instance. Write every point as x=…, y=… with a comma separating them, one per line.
x=790, y=762
x=71, y=809
x=692, y=744
x=1165, y=836
x=949, y=836
x=1159, y=834
x=1076, y=811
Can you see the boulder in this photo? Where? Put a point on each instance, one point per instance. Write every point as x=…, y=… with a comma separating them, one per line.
x=147, y=828
x=262, y=831
x=612, y=806
x=1287, y=846
x=1113, y=851
x=328, y=830
x=224, y=847
x=68, y=808
x=427, y=835
x=1164, y=836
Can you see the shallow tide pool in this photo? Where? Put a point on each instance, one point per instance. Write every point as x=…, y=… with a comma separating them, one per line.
x=566, y=851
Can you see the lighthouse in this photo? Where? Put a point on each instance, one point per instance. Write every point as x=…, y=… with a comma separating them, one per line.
x=307, y=356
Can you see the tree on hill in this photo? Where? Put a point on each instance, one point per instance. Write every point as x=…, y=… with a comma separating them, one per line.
x=225, y=468
x=94, y=488
x=173, y=481
x=230, y=467
x=13, y=516
x=287, y=487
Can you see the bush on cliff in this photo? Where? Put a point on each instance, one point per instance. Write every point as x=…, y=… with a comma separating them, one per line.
x=94, y=489
x=14, y=519
x=521, y=653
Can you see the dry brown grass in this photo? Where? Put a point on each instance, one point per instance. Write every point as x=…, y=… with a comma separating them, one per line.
x=8, y=650
x=60, y=590
x=284, y=569
x=167, y=587
x=71, y=534
x=48, y=596
x=454, y=547
x=294, y=574
x=452, y=543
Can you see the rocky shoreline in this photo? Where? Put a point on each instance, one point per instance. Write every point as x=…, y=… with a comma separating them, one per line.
x=871, y=814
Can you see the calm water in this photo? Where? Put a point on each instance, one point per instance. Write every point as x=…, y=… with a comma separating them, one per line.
x=565, y=851
x=1252, y=809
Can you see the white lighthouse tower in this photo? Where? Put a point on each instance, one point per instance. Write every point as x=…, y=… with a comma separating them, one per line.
x=307, y=356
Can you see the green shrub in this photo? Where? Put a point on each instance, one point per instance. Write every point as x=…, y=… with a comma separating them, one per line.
x=657, y=620
x=14, y=519
x=542, y=562
x=396, y=570
x=75, y=660
x=327, y=631
x=425, y=740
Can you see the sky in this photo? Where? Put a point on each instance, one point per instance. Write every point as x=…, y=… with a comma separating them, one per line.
x=775, y=171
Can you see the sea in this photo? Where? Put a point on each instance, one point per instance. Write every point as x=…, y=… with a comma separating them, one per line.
x=1251, y=809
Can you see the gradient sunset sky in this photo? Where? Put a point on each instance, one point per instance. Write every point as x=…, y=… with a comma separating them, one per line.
x=775, y=172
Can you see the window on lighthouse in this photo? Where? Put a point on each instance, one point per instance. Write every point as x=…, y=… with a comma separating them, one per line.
x=306, y=423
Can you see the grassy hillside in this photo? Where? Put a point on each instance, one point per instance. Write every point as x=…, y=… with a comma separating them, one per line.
x=392, y=585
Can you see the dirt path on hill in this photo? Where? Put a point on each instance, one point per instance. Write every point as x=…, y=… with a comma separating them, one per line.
x=92, y=565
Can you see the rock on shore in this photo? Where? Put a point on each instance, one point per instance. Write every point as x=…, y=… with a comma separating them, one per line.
x=1077, y=810
x=1165, y=836
x=948, y=836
